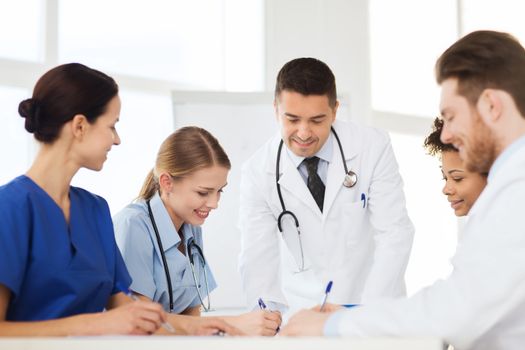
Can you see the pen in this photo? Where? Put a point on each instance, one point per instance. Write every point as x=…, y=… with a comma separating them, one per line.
x=128, y=292
x=262, y=306
x=328, y=289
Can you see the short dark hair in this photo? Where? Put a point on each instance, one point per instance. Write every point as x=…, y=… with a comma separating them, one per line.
x=307, y=76
x=62, y=93
x=482, y=60
x=433, y=143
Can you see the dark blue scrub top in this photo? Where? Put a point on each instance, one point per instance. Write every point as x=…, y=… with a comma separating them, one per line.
x=53, y=270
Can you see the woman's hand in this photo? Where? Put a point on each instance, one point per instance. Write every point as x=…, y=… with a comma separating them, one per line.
x=194, y=325
x=137, y=317
x=258, y=322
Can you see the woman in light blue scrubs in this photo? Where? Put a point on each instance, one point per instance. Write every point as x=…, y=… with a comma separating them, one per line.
x=164, y=225
x=59, y=263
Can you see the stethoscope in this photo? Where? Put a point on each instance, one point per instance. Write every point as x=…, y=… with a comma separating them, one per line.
x=192, y=249
x=349, y=181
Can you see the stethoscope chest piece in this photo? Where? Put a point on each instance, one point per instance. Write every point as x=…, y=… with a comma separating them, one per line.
x=350, y=179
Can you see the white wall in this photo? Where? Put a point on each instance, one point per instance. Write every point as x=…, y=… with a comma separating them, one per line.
x=334, y=31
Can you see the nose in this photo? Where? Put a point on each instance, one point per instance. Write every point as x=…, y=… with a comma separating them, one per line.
x=446, y=135
x=448, y=189
x=116, y=138
x=213, y=201
x=304, y=131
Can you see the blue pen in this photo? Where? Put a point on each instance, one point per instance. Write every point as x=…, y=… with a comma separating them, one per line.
x=262, y=306
x=328, y=289
x=130, y=294
x=363, y=199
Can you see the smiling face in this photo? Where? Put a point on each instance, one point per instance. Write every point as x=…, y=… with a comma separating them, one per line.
x=305, y=121
x=464, y=128
x=99, y=137
x=462, y=187
x=190, y=199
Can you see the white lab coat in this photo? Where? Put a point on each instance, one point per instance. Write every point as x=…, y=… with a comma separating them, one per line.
x=481, y=305
x=361, y=245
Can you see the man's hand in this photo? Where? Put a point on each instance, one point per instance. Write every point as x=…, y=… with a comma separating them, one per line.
x=306, y=322
x=328, y=308
x=258, y=322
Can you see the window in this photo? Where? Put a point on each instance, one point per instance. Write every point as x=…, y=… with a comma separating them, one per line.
x=433, y=218
x=21, y=24
x=407, y=36
x=506, y=15
x=15, y=143
x=199, y=44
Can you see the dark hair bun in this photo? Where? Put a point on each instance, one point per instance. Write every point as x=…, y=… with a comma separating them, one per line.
x=30, y=110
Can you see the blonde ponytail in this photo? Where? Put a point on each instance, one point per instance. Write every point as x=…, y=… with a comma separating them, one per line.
x=149, y=187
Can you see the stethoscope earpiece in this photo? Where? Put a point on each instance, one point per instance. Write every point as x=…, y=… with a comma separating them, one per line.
x=350, y=179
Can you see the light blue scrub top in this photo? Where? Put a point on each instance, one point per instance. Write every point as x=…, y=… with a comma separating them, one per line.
x=52, y=269
x=136, y=239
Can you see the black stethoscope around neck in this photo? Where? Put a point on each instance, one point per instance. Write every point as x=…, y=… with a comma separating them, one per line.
x=349, y=180
x=191, y=249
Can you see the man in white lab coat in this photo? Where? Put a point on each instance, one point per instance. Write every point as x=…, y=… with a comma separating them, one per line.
x=339, y=182
x=481, y=305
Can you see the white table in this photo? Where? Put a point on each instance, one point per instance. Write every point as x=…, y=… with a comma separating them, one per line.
x=218, y=343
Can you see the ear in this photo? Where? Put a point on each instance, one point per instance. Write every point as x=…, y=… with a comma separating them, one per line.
x=335, y=110
x=79, y=125
x=490, y=105
x=165, y=182
x=276, y=108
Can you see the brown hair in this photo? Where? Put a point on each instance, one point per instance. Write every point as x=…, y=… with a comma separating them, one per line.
x=62, y=93
x=185, y=151
x=433, y=143
x=482, y=60
x=307, y=76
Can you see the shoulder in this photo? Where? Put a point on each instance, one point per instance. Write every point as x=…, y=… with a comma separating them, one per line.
x=363, y=133
x=132, y=214
x=264, y=157
x=131, y=221
x=16, y=194
x=265, y=151
x=87, y=198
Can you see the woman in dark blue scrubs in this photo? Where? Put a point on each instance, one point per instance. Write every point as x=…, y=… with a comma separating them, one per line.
x=59, y=263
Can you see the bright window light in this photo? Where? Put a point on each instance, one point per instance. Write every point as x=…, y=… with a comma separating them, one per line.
x=434, y=220
x=506, y=16
x=187, y=42
x=16, y=151
x=407, y=36
x=21, y=29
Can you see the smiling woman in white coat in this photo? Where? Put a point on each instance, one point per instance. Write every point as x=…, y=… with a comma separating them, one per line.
x=321, y=201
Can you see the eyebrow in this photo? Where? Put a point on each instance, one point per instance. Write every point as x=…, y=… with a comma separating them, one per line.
x=444, y=111
x=211, y=188
x=296, y=116
x=455, y=171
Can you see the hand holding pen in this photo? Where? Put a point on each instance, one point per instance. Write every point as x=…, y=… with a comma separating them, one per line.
x=167, y=326
x=263, y=306
x=326, y=292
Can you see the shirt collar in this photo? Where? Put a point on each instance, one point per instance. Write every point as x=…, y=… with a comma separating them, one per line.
x=325, y=153
x=167, y=232
x=505, y=155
